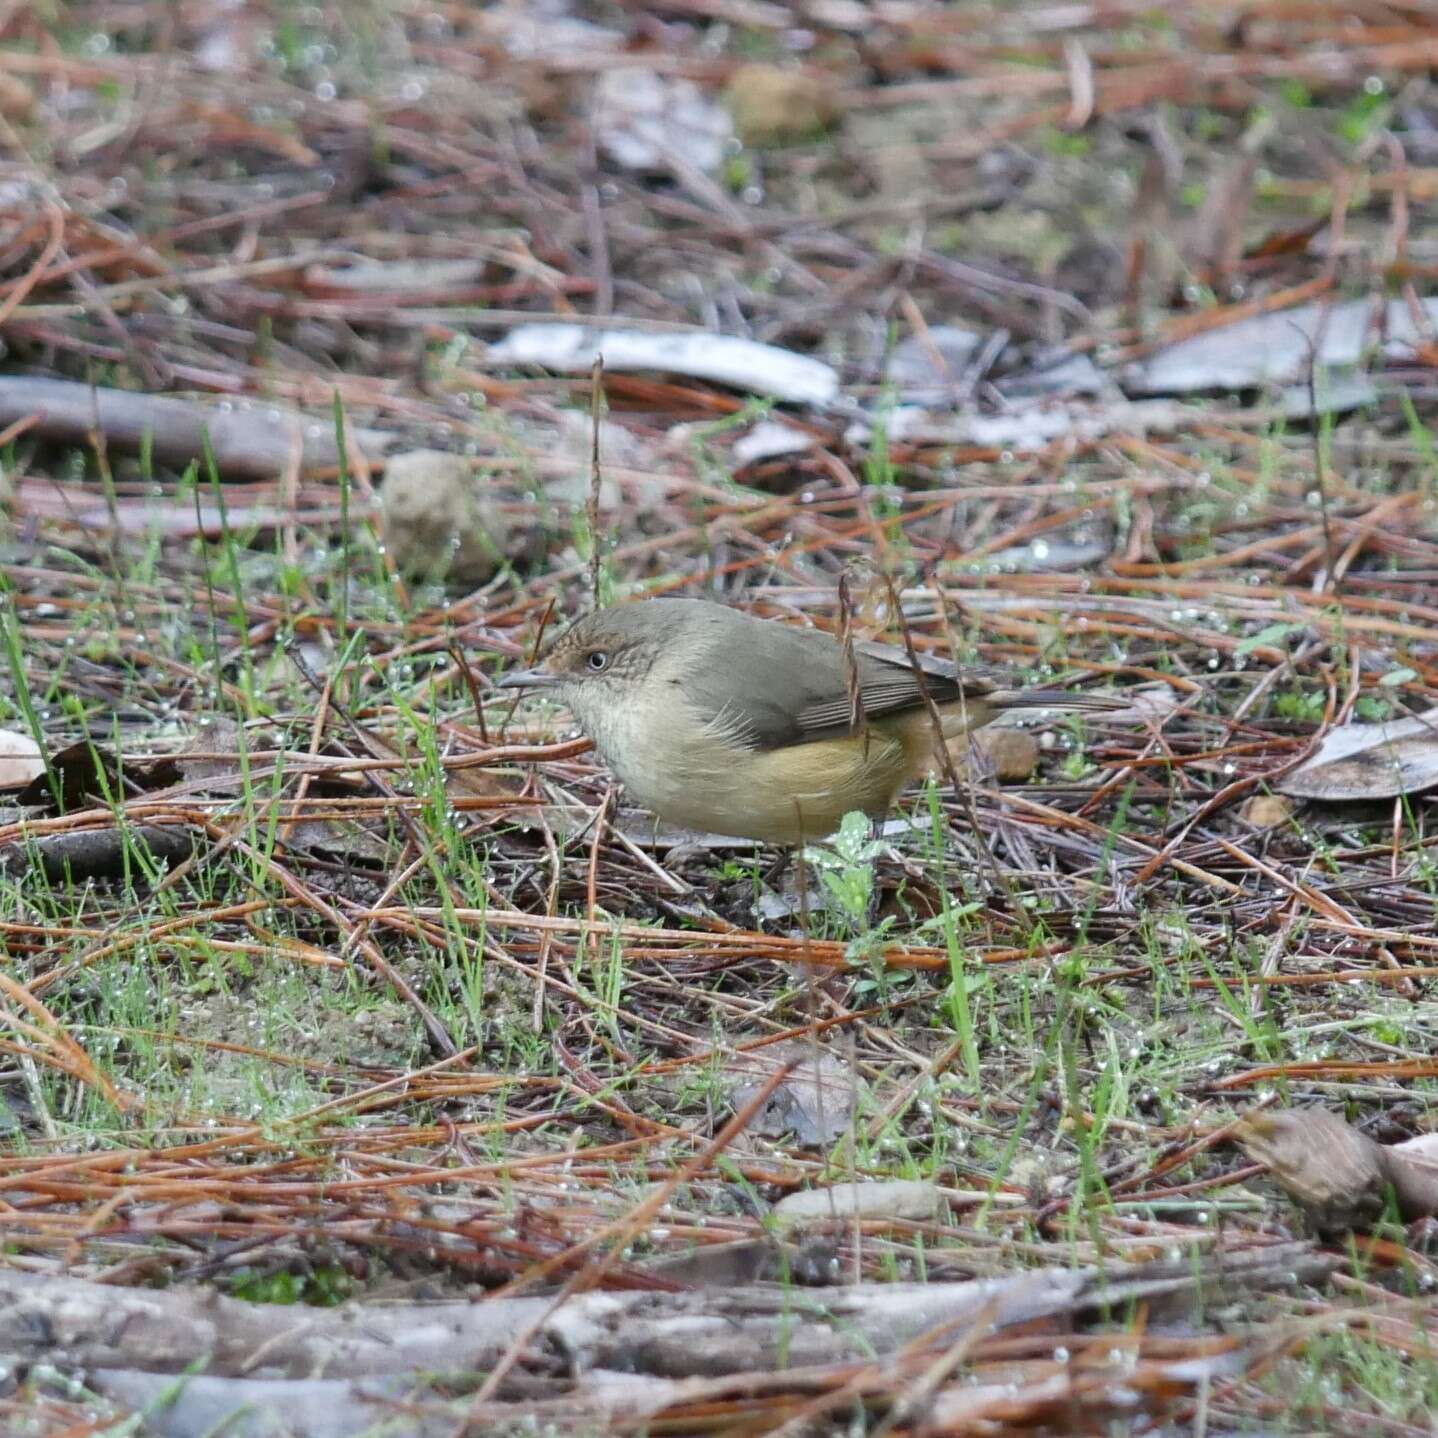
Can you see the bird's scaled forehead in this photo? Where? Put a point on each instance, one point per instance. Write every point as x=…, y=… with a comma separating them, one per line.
x=597, y=631
x=579, y=635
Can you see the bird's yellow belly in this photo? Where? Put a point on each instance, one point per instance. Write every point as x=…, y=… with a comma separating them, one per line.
x=778, y=796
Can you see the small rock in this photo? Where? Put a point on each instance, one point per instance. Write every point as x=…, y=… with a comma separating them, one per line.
x=1266, y=811
x=1014, y=753
x=774, y=105
x=437, y=521
x=1008, y=755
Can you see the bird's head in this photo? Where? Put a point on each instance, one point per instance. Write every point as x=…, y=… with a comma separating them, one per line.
x=605, y=657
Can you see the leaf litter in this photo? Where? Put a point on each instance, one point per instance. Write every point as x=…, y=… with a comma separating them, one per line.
x=492, y=1045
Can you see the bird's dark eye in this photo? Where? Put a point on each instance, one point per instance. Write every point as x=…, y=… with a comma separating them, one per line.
x=598, y=660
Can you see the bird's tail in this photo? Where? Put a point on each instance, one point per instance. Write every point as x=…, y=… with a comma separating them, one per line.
x=1056, y=699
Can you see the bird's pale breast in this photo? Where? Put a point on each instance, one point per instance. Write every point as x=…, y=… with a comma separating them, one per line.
x=695, y=774
x=701, y=769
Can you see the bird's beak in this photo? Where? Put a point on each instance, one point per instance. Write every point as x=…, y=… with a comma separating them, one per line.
x=529, y=679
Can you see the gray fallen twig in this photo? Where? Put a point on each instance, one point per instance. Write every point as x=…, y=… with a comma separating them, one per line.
x=248, y=441
x=704, y=1333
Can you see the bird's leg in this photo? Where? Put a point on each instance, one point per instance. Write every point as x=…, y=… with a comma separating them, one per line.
x=771, y=876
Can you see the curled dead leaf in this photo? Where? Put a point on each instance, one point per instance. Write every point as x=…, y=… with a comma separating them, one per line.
x=814, y=1102
x=1339, y=1176
x=1369, y=761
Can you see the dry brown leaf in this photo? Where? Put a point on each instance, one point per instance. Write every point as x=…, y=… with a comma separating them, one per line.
x=483, y=783
x=354, y=840
x=86, y=773
x=1369, y=761
x=815, y=1101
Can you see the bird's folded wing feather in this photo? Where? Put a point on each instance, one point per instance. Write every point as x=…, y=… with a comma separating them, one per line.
x=793, y=689
x=888, y=685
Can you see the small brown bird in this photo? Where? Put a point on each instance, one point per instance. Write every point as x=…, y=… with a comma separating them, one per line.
x=719, y=721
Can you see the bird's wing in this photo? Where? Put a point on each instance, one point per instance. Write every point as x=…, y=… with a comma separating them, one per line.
x=888, y=685
x=791, y=687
